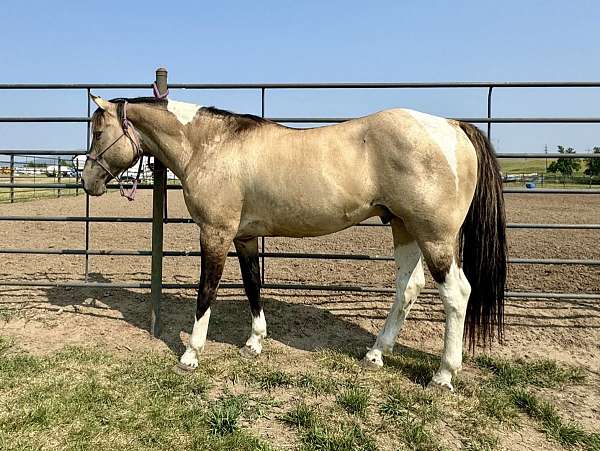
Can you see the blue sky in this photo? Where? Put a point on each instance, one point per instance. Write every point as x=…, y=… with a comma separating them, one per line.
x=308, y=41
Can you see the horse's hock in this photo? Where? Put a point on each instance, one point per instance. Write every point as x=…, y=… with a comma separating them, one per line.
x=552, y=232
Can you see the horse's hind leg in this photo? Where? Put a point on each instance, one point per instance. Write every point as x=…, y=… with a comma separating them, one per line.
x=454, y=290
x=409, y=282
x=250, y=268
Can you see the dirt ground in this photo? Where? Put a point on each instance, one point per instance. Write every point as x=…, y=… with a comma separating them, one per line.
x=45, y=319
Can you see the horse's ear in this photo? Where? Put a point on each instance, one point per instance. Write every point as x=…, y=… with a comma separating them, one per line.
x=102, y=104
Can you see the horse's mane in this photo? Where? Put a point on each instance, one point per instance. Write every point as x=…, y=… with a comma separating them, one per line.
x=236, y=121
x=152, y=100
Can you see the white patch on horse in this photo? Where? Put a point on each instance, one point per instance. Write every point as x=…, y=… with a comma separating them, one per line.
x=185, y=112
x=197, y=341
x=454, y=291
x=409, y=282
x=259, y=331
x=443, y=134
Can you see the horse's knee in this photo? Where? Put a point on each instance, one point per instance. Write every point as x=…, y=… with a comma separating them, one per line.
x=455, y=291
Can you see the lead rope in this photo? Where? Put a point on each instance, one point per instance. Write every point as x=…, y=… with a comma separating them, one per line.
x=134, y=137
x=132, y=134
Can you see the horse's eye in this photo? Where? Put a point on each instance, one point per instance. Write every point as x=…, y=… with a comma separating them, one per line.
x=97, y=135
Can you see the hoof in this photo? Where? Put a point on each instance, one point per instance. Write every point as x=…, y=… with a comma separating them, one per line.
x=372, y=363
x=182, y=369
x=440, y=387
x=248, y=353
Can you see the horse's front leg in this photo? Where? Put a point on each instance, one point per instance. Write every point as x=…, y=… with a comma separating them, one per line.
x=214, y=245
x=247, y=251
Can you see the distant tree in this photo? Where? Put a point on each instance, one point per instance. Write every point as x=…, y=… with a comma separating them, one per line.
x=593, y=164
x=566, y=166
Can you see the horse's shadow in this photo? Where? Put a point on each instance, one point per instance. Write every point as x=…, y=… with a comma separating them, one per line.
x=300, y=326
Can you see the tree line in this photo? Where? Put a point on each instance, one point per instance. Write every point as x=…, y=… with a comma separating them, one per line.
x=567, y=166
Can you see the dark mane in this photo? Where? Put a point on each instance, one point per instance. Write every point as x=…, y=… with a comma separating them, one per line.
x=152, y=100
x=119, y=101
x=238, y=122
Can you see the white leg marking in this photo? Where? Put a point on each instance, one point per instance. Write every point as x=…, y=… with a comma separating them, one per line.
x=185, y=112
x=197, y=341
x=259, y=331
x=409, y=282
x=454, y=291
x=443, y=134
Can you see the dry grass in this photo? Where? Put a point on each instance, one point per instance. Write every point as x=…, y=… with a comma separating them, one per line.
x=83, y=398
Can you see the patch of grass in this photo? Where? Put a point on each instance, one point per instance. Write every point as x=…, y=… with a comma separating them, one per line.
x=416, y=436
x=316, y=384
x=272, y=379
x=497, y=404
x=411, y=410
x=354, y=400
x=402, y=402
x=223, y=416
x=18, y=366
x=238, y=441
x=567, y=434
x=7, y=314
x=338, y=361
x=317, y=436
x=345, y=438
x=5, y=344
x=85, y=399
x=417, y=367
x=301, y=416
x=480, y=442
x=76, y=354
x=506, y=393
x=540, y=373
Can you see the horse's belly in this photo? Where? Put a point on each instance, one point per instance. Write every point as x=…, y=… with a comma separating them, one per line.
x=304, y=222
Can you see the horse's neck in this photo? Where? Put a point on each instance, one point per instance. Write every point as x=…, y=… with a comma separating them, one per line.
x=161, y=137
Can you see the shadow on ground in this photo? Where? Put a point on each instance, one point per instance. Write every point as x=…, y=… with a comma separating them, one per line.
x=300, y=326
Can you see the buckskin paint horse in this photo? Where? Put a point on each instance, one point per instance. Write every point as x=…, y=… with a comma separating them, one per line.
x=435, y=180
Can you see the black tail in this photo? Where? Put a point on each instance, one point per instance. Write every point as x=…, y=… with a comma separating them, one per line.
x=482, y=244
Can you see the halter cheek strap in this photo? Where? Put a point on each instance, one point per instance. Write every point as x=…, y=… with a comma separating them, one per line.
x=133, y=135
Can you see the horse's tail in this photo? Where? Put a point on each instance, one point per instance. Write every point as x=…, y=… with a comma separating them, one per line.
x=482, y=245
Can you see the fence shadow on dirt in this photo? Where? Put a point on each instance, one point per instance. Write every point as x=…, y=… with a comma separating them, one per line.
x=300, y=326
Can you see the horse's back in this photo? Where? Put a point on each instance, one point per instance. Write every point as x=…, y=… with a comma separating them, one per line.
x=316, y=181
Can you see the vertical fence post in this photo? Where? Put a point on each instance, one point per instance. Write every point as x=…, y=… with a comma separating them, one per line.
x=158, y=208
x=489, y=113
x=12, y=178
x=262, y=239
x=87, y=196
x=59, y=179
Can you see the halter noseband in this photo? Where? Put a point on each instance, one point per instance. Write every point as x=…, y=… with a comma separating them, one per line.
x=133, y=135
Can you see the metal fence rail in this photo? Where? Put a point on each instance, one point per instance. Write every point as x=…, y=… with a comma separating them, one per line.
x=159, y=187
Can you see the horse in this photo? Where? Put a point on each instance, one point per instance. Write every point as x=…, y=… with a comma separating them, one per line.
x=435, y=180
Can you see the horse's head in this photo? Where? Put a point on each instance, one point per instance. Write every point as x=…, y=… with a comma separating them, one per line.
x=115, y=146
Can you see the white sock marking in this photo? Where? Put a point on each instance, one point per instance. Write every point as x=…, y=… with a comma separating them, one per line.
x=185, y=112
x=259, y=331
x=442, y=133
x=197, y=341
x=454, y=291
x=409, y=281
